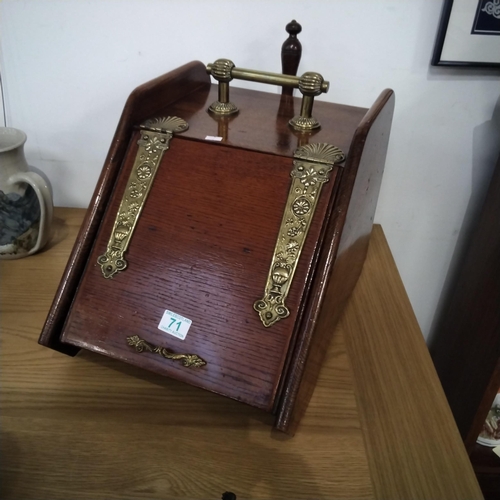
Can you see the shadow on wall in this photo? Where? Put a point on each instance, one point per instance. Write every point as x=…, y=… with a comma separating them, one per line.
x=485, y=152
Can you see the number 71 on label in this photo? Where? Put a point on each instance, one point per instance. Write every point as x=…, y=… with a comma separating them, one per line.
x=174, y=324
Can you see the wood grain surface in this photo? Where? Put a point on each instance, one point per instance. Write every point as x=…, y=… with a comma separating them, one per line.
x=91, y=427
x=404, y=412
x=201, y=248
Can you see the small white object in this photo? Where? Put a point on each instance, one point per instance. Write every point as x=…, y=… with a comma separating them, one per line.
x=213, y=138
x=489, y=435
x=496, y=450
x=174, y=324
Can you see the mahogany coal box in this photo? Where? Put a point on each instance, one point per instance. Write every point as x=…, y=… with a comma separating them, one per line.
x=220, y=250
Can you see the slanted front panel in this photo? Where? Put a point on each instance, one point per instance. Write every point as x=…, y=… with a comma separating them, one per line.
x=202, y=249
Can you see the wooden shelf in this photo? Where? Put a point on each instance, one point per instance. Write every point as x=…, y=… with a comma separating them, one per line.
x=90, y=427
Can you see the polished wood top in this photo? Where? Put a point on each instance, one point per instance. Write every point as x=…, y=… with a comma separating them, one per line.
x=262, y=122
x=378, y=425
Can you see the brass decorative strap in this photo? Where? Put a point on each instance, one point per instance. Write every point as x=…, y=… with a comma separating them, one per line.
x=188, y=360
x=310, y=85
x=155, y=140
x=312, y=165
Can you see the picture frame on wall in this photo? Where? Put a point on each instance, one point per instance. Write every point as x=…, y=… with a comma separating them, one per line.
x=468, y=34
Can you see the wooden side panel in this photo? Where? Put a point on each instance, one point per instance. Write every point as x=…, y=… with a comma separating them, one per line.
x=143, y=103
x=341, y=259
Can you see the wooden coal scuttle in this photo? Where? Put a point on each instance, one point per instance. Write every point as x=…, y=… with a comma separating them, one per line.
x=226, y=232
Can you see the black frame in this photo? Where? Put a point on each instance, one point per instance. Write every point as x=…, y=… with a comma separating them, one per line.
x=441, y=35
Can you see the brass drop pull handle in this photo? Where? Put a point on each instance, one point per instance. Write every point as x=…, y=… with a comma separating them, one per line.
x=310, y=85
x=188, y=360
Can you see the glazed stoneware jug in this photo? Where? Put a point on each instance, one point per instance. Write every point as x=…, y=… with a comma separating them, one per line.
x=25, y=200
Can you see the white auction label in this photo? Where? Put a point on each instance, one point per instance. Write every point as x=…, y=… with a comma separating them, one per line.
x=174, y=324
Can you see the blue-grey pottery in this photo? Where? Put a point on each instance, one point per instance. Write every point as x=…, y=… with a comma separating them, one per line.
x=25, y=200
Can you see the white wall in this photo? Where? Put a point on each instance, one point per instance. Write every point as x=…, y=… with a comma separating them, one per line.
x=68, y=66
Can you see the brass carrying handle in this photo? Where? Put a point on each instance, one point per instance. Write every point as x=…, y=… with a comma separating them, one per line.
x=310, y=85
x=253, y=75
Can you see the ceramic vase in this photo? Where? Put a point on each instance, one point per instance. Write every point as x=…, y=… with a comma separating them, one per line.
x=25, y=200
